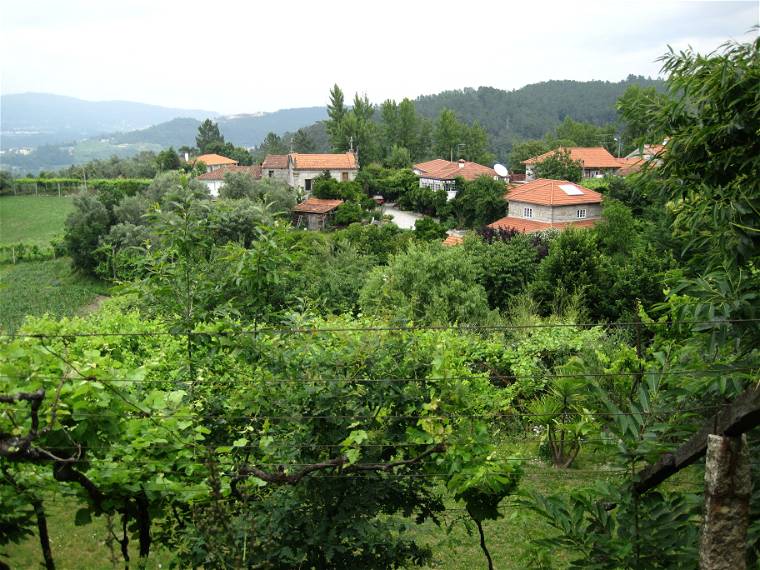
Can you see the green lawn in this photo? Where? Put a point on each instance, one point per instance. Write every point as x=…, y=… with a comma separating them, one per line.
x=32, y=219
x=39, y=287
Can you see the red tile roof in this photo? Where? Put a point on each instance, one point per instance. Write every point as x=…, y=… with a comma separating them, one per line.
x=219, y=173
x=440, y=169
x=528, y=226
x=273, y=161
x=548, y=192
x=214, y=160
x=629, y=165
x=430, y=165
x=317, y=206
x=343, y=161
x=452, y=240
x=590, y=157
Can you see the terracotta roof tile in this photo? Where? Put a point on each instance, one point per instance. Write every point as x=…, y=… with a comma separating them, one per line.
x=629, y=165
x=430, y=165
x=453, y=240
x=548, y=192
x=343, y=161
x=439, y=169
x=214, y=160
x=590, y=157
x=219, y=173
x=528, y=226
x=317, y=206
x=274, y=161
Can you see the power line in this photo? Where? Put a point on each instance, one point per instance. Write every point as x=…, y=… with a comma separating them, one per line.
x=389, y=328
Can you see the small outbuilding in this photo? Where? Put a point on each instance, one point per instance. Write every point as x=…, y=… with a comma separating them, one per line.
x=314, y=213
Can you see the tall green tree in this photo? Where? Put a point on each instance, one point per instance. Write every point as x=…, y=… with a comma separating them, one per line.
x=559, y=166
x=336, y=111
x=208, y=134
x=303, y=142
x=447, y=135
x=476, y=144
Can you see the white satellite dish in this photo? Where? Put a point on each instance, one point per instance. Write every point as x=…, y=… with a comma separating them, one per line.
x=501, y=170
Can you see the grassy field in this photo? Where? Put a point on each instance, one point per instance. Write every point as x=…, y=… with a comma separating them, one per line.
x=39, y=287
x=32, y=219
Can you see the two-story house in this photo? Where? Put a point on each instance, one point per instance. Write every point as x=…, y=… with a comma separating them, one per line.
x=440, y=174
x=545, y=204
x=300, y=169
x=595, y=161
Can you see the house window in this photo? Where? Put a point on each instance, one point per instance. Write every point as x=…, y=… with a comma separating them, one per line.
x=344, y=176
x=527, y=212
x=582, y=213
x=271, y=173
x=307, y=184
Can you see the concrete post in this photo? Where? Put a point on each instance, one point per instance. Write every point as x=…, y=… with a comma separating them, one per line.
x=728, y=485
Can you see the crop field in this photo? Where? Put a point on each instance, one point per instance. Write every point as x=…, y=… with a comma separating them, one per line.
x=38, y=287
x=32, y=219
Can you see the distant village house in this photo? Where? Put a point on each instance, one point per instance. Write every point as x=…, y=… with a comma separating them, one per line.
x=545, y=204
x=214, y=161
x=214, y=179
x=440, y=174
x=595, y=161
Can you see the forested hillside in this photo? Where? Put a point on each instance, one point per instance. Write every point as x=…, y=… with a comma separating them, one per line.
x=534, y=110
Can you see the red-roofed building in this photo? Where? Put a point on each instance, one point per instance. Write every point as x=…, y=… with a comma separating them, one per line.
x=299, y=169
x=214, y=161
x=215, y=178
x=545, y=204
x=314, y=213
x=303, y=168
x=275, y=166
x=452, y=240
x=595, y=161
x=440, y=174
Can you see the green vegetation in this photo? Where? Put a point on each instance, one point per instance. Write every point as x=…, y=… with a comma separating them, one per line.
x=33, y=219
x=257, y=396
x=35, y=288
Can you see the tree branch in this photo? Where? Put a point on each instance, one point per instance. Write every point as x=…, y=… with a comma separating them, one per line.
x=282, y=478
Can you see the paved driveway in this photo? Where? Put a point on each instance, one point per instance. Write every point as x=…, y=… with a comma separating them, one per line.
x=404, y=220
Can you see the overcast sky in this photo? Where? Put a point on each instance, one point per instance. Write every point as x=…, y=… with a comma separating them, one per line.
x=247, y=56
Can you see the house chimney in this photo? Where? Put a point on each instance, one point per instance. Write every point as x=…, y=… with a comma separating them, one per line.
x=461, y=163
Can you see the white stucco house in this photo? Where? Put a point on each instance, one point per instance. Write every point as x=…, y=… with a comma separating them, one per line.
x=440, y=174
x=214, y=179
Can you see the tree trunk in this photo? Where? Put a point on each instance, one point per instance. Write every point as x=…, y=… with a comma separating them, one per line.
x=728, y=486
x=47, y=554
x=483, y=543
x=143, y=525
x=124, y=542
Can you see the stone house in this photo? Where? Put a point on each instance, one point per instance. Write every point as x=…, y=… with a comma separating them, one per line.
x=214, y=179
x=545, y=204
x=275, y=166
x=595, y=161
x=299, y=169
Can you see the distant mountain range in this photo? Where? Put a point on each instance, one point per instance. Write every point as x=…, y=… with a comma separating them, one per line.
x=242, y=130
x=64, y=130
x=34, y=119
